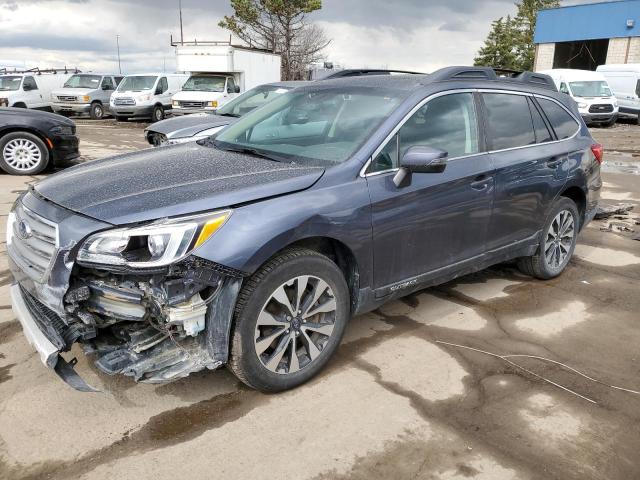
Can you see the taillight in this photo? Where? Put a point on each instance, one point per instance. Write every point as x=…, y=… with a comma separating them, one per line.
x=598, y=151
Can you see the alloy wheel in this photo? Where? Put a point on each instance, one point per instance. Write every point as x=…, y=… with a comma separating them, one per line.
x=295, y=324
x=559, y=240
x=22, y=154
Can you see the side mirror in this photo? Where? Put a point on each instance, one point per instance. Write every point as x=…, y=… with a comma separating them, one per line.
x=419, y=159
x=27, y=88
x=237, y=89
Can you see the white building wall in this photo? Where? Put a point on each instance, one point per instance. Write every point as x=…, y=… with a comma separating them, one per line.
x=634, y=50
x=544, y=56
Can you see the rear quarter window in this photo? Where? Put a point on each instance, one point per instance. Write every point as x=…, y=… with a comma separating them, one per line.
x=564, y=124
x=509, y=122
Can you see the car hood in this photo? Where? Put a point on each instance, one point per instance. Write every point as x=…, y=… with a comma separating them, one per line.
x=190, y=125
x=72, y=91
x=175, y=180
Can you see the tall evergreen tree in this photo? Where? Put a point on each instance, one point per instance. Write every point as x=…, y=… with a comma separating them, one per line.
x=498, y=49
x=510, y=41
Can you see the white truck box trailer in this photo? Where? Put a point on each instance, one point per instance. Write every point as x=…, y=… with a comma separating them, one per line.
x=219, y=72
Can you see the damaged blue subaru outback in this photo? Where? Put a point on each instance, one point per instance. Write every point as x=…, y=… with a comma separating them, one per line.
x=253, y=248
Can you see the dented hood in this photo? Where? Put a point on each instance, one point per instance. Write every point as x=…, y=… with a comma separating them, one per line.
x=171, y=181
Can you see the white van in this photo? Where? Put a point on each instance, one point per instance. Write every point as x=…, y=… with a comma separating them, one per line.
x=590, y=90
x=30, y=90
x=625, y=84
x=145, y=95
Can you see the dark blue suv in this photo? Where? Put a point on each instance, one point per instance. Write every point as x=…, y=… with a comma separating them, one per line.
x=253, y=248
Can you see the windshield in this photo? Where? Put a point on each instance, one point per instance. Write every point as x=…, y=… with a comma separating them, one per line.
x=598, y=88
x=83, y=81
x=251, y=99
x=203, y=83
x=326, y=125
x=137, y=84
x=10, y=83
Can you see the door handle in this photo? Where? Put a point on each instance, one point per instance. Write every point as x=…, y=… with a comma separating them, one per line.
x=481, y=182
x=554, y=162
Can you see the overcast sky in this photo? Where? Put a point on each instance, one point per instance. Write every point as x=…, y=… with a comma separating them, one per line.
x=417, y=35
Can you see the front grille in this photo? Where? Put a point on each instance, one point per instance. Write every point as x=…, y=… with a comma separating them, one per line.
x=67, y=98
x=193, y=104
x=601, y=108
x=33, y=243
x=124, y=101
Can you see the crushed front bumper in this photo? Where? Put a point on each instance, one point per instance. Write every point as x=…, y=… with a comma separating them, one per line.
x=46, y=349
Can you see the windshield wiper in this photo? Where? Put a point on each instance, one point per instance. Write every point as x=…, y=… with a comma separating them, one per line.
x=234, y=115
x=254, y=152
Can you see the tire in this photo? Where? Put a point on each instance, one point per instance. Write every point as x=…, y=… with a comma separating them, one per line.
x=121, y=118
x=542, y=265
x=97, y=111
x=23, y=153
x=19, y=105
x=157, y=114
x=259, y=316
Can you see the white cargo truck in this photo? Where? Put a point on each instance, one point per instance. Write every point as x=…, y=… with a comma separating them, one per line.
x=219, y=72
x=31, y=88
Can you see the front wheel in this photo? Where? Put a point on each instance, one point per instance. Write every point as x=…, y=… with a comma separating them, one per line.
x=157, y=114
x=558, y=241
x=97, y=111
x=22, y=153
x=289, y=319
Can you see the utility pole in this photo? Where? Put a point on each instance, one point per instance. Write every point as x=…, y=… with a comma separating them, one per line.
x=181, y=32
x=118, y=46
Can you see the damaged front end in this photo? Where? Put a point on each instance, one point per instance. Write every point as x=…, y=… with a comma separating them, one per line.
x=137, y=298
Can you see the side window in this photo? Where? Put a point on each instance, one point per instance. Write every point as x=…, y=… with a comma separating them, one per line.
x=108, y=81
x=543, y=134
x=564, y=124
x=509, y=122
x=118, y=80
x=163, y=86
x=564, y=88
x=638, y=88
x=29, y=83
x=447, y=122
x=231, y=86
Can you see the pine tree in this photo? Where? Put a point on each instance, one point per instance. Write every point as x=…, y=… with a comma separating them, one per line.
x=498, y=49
x=510, y=41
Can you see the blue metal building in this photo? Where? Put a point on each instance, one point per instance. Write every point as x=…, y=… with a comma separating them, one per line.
x=588, y=35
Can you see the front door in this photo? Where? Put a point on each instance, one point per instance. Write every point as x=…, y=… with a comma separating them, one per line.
x=440, y=220
x=32, y=94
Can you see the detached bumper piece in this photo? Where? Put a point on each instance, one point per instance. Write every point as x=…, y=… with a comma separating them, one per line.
x=48, y=334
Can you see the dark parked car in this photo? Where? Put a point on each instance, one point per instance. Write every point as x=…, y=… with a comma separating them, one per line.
x=189, y=128
x=254, y=248
x=31, y=140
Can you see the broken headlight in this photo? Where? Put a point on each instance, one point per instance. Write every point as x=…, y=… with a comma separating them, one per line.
x=154, y=245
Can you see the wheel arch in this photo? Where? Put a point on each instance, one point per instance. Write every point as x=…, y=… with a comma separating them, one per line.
x=579, y=197
x=30, y=130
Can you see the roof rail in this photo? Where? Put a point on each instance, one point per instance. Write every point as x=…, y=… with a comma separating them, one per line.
x=38, y=71
x=488, y=73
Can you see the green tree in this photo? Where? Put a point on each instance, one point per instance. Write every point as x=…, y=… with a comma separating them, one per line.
x=510, y=41
x=280, y=26
x=499, y=49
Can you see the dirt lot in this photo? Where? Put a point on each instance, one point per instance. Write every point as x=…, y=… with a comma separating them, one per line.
x=394, y=403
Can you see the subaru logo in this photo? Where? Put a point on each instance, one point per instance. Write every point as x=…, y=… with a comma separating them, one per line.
x=24, y=230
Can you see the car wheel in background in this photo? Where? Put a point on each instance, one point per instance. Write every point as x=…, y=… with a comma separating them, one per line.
x=121, y=118
x=22, y=153
x=289, y=319
x=97, y=111
x=157, y=114
x=558, y=241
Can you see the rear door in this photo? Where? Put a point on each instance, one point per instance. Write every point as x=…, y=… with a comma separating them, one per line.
x=531, y=165
x=440, y=220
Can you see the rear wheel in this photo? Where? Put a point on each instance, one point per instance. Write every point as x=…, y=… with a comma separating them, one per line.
x=157, y=114
x=22, y=153
x=557, y=243
x=97, y=111
x=289, y=320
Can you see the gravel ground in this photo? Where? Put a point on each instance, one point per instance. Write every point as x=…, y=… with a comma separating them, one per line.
x=394, y=403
